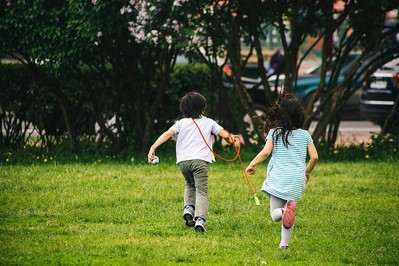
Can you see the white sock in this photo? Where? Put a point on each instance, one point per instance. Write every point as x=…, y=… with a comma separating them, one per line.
x=285, y=235
x=276, y=208
x=277, y=214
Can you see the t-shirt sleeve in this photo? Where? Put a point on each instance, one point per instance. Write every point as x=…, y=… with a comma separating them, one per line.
x=309, y=138
x=270, y=134
x=176, y=127
x=216, y=128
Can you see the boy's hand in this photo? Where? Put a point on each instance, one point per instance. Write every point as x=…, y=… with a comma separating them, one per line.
x=151, y=155
x=307, y=177
x=237, y=141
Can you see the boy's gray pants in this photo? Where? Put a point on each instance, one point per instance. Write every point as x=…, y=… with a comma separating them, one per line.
x=196, y=191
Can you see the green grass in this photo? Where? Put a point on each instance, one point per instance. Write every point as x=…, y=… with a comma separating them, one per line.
x=131, y=214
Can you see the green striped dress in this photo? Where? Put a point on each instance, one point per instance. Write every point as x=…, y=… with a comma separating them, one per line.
x=285, y=177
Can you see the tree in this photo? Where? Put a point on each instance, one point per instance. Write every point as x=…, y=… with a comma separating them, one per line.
x=128, y=46
x=363, y=30
x=44, y=37
x=219, y=29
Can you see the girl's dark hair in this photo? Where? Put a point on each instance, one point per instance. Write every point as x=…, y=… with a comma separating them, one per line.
x=285, y=115
x=192, y=104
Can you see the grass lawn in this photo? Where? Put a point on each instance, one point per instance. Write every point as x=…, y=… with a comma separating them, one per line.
x=131, y=214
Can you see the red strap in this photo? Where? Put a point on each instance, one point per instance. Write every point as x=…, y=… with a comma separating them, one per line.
x=237, y=148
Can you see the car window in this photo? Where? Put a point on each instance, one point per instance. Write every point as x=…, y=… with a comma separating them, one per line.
x=392, y=66
x=347, y=63
x=251, y=71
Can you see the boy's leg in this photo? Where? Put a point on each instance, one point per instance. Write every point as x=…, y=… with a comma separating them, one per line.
x=200, y=173
x=189, y=189
x=189, y=194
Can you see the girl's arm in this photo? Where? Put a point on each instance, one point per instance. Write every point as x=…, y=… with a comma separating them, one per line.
x=164, y=137
x=313, y=157
x=262, y=155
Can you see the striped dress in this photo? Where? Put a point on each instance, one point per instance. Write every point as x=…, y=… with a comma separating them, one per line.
x=285, y=177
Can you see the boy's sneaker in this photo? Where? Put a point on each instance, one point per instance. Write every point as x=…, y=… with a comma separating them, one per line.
x=289, y=214
x=200, y=225
x=188, y=216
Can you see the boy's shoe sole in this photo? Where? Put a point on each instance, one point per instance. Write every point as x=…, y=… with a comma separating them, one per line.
x=289, y=214
x=188, y=217
x=200, y=226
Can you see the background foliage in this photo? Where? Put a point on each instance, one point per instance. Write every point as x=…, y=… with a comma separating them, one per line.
x=96, y=61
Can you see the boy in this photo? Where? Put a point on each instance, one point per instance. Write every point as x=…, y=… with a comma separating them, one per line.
x=193, y=155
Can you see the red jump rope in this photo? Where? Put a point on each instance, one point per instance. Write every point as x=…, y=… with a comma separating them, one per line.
x=237, y=148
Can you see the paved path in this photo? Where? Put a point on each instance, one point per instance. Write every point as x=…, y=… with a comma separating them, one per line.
x=354, y=131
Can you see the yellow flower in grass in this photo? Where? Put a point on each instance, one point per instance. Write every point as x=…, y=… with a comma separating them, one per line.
x=336, y=151
x=366, y=156
x=45, y=160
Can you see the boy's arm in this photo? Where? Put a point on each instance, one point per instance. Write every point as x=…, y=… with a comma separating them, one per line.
x=262, y=155
x=313, y=157
x=229, y=138
x=164, y=137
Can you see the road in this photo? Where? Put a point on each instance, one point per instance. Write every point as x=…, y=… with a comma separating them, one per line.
x=354, y=132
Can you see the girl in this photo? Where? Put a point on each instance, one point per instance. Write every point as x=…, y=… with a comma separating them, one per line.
x=287, y=171
x=193, y=155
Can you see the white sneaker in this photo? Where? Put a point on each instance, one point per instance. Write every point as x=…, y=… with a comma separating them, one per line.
x=200, y=225
x=188, y=216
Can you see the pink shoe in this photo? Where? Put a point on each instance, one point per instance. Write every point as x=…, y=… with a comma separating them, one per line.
x=289, y=214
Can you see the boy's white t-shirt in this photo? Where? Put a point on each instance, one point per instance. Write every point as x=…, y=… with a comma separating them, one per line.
x=190, y=144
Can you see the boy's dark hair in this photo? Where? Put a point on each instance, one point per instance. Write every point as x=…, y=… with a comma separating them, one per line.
x=285, y=115
x=192, y=104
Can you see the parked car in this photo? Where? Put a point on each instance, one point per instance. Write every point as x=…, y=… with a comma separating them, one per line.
x=305, y=86
x=380, y=93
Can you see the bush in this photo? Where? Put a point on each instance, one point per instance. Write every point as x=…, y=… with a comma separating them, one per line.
x=26, y=98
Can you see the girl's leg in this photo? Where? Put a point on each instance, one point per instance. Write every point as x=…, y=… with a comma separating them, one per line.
x=276, y=212
x=285, y=236
x=276, y=208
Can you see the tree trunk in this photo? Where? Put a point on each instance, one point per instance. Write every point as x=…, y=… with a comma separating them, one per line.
x=165, y=68
x=269, y=96
x=388, y=119
x=234, y=53
x=69, y=123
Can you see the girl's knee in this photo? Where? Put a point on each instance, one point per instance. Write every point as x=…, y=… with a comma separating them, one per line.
x=276, y=214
